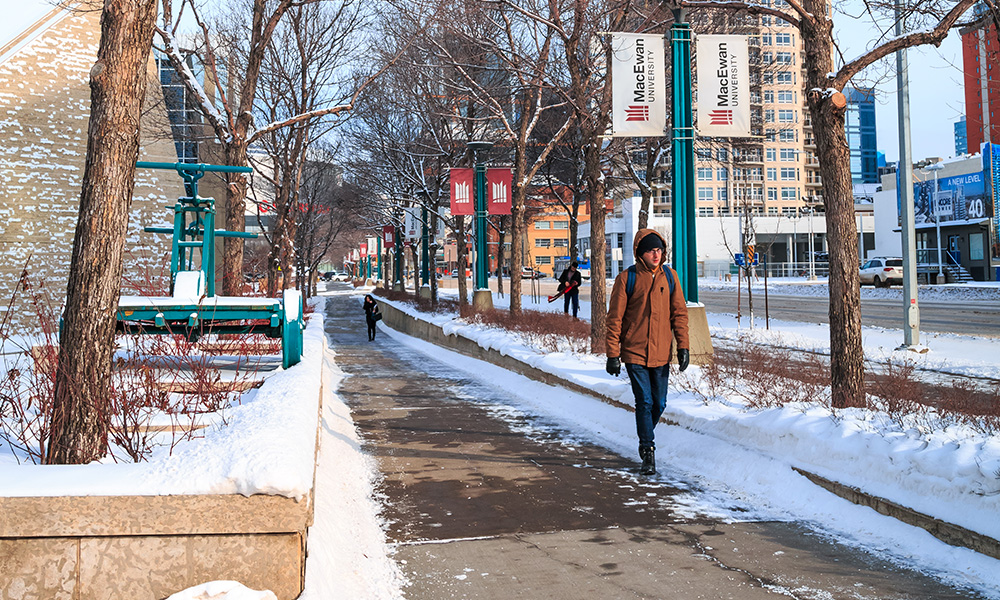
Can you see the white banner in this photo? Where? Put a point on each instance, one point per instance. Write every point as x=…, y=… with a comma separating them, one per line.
x=413, y=228
x=639, y=101
x=723, y=86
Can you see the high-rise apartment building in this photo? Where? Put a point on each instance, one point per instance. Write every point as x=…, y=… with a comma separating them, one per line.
x=859, y=126
x=774, y=172
x=961, y=138
x=981, y=69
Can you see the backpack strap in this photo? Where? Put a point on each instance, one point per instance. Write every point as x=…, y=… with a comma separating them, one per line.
x=630, y=280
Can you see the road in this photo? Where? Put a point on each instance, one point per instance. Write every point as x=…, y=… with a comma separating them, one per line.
x=968, y=317
x=483, y=501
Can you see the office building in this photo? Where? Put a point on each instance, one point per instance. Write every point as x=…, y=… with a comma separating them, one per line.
x=859, y=125
x=961, y=139
x=981, y=70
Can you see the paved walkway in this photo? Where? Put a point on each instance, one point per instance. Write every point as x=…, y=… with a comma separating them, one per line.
x=485, y=502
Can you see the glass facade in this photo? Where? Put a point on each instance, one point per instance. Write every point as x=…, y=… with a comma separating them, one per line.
x=859, y=125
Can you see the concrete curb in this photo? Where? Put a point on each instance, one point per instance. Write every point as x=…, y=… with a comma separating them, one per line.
x=946, y=532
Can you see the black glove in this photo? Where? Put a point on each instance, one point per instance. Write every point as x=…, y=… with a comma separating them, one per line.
x=683, y=358
x=614, y=366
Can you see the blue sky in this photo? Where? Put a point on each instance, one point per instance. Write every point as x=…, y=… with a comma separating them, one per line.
x=936, y=96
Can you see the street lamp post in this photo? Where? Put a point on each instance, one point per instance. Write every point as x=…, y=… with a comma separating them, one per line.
x=425, y=281
x=937, y=218
x=398, y=247
x=482, y=298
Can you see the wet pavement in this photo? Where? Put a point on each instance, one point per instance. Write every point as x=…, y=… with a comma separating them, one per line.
x=483, y=501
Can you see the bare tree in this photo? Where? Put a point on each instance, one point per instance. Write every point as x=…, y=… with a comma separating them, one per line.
x=117, y=90
x=827, y=105
x=233, y=58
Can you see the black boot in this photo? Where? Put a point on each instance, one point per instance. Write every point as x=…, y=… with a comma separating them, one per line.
x=648, y=461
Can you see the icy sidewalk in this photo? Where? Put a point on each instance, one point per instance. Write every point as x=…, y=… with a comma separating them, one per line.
x=951, y=473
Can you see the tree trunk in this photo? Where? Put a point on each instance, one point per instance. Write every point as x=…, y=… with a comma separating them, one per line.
x=827, y=111
x=117, y=89
x=463, y=261
x=517, y=236
x=598, y=217
x=236, y=197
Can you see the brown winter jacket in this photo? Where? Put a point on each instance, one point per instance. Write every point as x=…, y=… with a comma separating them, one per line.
x=642, y=326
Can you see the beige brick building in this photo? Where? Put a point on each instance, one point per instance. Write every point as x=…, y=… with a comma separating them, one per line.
x=44, y=113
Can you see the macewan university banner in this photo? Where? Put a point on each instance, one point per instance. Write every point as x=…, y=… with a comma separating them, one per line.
x=639, y=101
x=461, y=192
x=498, y=183
x=723, y=86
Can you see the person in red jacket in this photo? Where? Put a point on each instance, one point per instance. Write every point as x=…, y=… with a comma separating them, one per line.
x=642, y=325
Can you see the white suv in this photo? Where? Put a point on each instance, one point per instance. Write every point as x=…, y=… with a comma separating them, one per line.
x=882, y=271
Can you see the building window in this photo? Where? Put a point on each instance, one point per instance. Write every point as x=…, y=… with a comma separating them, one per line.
x=784, y=58
x=769, y=96
x=789, y=194
x=772, y=194
x=543, y=260
x=542, y=225
x=770, y=153
x=768, y=77
x=772, y=174
x=788, y=210
x=772, y=210
x=560, y=243
x=782, y=39
x=765, y=39
x=769, y=116
x=706, y=211
x=723, y=195
x=789, y=174
x=789, y=155
x=542, y=242
x=786, y=116
x=722, y=155
x=722, y=174
x=786, y=97
x=704, y=174
x=704, y=194
x=788, y=135
x=771, y=135
x=786, y=77
x=560, y=224
x=766, y=58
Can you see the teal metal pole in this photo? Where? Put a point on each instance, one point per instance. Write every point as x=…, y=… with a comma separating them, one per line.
x=685, y=249
x=481, y=259
x=424, y=247
x=399, y=256
x=379, y=258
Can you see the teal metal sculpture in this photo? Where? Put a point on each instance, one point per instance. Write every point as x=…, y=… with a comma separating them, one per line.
x=193, y=309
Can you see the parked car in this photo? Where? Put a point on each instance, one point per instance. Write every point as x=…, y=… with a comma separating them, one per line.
x=328, y=276
x=529, y=273
x=882, y=271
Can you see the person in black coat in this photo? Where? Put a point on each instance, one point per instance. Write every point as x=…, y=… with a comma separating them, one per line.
x=371, y=309
x=569, y=284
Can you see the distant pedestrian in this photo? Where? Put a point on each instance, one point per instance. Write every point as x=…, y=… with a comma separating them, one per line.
x=569, y=285
x=646, y=315
x=372, y=315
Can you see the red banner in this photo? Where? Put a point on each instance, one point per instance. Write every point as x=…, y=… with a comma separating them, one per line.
x=389, y=236
x=364, y=249
x=498, y=183
x=462, y=192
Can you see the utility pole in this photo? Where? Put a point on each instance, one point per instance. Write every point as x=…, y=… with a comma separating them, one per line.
x=911, y=312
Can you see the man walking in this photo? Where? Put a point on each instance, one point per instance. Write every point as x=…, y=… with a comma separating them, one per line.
x=569, y=285
x=647, y=314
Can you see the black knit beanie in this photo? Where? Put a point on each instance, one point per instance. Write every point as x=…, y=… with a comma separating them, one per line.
x=648, y=243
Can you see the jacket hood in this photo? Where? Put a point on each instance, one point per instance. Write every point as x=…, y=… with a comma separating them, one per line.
x=638, y=238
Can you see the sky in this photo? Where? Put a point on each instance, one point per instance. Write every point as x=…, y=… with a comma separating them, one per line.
x=936, y=95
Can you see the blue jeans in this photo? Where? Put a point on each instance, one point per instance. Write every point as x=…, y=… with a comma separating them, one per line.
x=573, y=297
x=649, y=386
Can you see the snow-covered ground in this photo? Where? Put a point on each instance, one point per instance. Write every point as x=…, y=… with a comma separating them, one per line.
x=800, y=286
x=951, y=473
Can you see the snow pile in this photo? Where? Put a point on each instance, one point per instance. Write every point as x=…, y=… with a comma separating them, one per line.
x=265, y=446
x=222, y=590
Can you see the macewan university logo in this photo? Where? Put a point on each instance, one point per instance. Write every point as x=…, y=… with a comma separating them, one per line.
x=637, y=112
x=720, y=117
